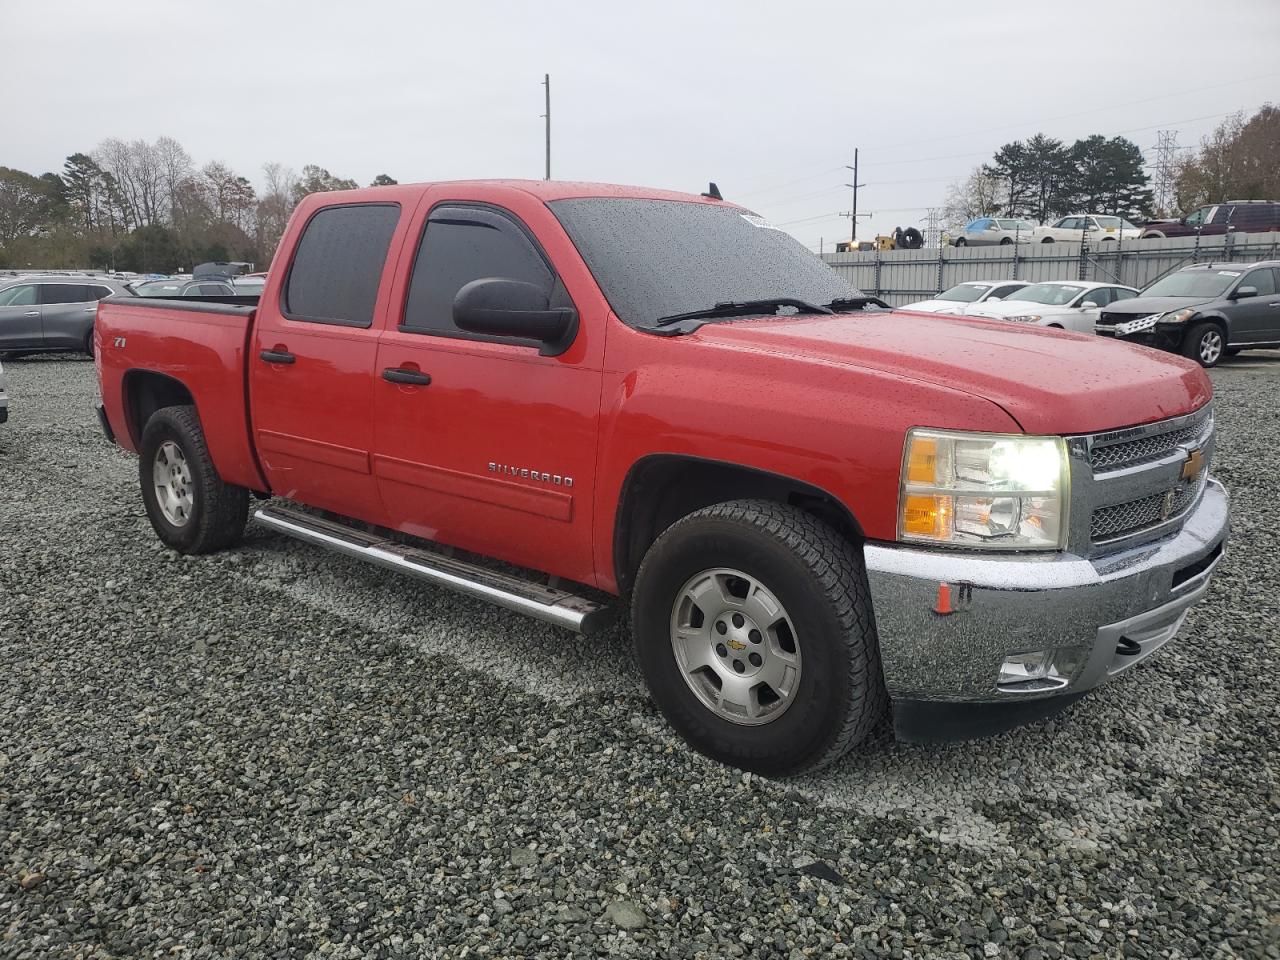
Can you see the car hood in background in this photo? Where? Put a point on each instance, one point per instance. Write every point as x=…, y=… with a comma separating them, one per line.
x=938, y=306
x=1049, y=381
x=1144, y=306
x=1015, y=308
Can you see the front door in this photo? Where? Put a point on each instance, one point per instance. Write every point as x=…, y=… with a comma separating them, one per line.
x=20, y=317
x=312, y=359
x=1256, y=319
x=481, y=442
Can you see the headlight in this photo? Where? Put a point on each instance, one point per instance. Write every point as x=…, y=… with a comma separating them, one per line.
x=1177, y=316
x=1025, y=318
x=988, y=491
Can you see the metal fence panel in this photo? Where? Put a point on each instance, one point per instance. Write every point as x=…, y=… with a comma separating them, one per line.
x=901, y=276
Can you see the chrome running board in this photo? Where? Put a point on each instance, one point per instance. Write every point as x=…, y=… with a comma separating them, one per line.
x=542, y=602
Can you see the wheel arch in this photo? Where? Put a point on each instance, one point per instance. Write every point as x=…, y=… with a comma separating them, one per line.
x=145, y=392
x=661, y=488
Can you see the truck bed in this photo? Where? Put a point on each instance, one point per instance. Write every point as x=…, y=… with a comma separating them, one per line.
x=196, y=343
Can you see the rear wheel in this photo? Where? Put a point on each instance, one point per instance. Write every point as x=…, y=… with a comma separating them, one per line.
x=1047, y=240
x=189, y=506
x=1006, y=241
x=753, y=627
x=88, y=343
x=1205, y=343
x=960, y=242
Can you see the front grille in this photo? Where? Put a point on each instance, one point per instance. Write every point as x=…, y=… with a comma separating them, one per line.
x=1127, y=453
x=1130, y=484
x=1123, y=519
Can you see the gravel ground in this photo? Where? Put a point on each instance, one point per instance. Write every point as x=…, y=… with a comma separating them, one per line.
x=275, y=752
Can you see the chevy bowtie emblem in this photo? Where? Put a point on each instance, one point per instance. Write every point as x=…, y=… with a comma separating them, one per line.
x=1193, y=465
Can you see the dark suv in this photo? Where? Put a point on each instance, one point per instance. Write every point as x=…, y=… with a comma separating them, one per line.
x=51, y=313
x=1203, y=310
x=1240, y=216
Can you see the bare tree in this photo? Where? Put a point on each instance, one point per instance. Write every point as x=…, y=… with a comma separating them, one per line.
x=978, y=195
x=275, y=206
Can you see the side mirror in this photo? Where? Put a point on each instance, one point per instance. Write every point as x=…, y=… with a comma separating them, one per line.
x=994, y=226
x=1244, y=292
x=994, y=299
x=499, y=307
x=1089, y=305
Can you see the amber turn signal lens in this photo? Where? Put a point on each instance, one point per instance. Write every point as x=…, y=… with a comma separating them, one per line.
x=926, y=515
x=922, y=461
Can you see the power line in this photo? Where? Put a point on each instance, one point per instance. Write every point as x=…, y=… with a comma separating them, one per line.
x=769, y=188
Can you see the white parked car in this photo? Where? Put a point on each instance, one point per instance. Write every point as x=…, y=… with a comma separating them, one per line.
x=1066, y=304
x=1001, y=231
x=1094, y=227
x=964, y=295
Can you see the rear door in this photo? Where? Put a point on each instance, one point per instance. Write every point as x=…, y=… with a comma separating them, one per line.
x=67, y=311
x=1256, y=319
x=312, y=357
x=20, y=317
x=492, y=449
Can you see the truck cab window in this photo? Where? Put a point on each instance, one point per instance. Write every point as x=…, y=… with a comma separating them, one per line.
x=460, y=245
x=338, y=264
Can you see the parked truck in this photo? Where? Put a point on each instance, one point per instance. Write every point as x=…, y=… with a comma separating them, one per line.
x=575, y=399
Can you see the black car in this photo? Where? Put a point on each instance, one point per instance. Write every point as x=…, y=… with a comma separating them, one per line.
x=1203, y=310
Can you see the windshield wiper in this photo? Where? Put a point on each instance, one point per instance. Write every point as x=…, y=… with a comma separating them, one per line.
x=738, y=308
x=855, y=303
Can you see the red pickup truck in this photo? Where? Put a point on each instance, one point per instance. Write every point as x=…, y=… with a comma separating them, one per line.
x=552, y=395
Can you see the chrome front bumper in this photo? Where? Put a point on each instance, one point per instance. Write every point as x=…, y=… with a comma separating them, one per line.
x=1103, y=614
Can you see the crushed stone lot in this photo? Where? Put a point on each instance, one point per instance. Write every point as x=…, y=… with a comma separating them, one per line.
x=277, y=752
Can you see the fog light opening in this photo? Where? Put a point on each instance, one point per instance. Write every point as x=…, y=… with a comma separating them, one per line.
x=1036, y=671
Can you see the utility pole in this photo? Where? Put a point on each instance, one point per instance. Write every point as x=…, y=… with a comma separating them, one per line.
x=546, y=82
x=853, y=215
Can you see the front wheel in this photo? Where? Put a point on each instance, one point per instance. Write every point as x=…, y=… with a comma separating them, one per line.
x=754, y=630
x=190, y=508
x=1047, y=240
x=1205, y=342
x=960, y=241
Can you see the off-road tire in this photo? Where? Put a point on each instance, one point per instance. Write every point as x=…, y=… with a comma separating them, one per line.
x=819, y=577
x=219, y=510
x=1191, y=345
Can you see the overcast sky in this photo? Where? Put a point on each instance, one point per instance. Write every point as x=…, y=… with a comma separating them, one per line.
x=767, y=99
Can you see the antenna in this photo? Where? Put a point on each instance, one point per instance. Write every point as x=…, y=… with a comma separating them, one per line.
x=713, y=192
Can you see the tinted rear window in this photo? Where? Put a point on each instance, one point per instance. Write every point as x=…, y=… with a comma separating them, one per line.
x=338, y=264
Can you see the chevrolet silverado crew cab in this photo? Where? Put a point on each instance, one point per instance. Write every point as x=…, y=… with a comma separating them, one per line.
x=555, y=395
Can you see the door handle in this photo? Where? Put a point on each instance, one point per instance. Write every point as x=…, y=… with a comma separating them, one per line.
x=93, y=309
x=277, y=356
x=32, y=313
x=400, y=375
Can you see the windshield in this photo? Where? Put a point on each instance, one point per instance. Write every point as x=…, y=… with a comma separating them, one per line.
x=1016, y=226
x=1193, y=283
x=964, y=292
x=660, y=258
x=1054, y=294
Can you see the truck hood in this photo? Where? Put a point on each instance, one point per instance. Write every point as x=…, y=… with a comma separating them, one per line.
x=1144, y=306
x=1049, y=381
